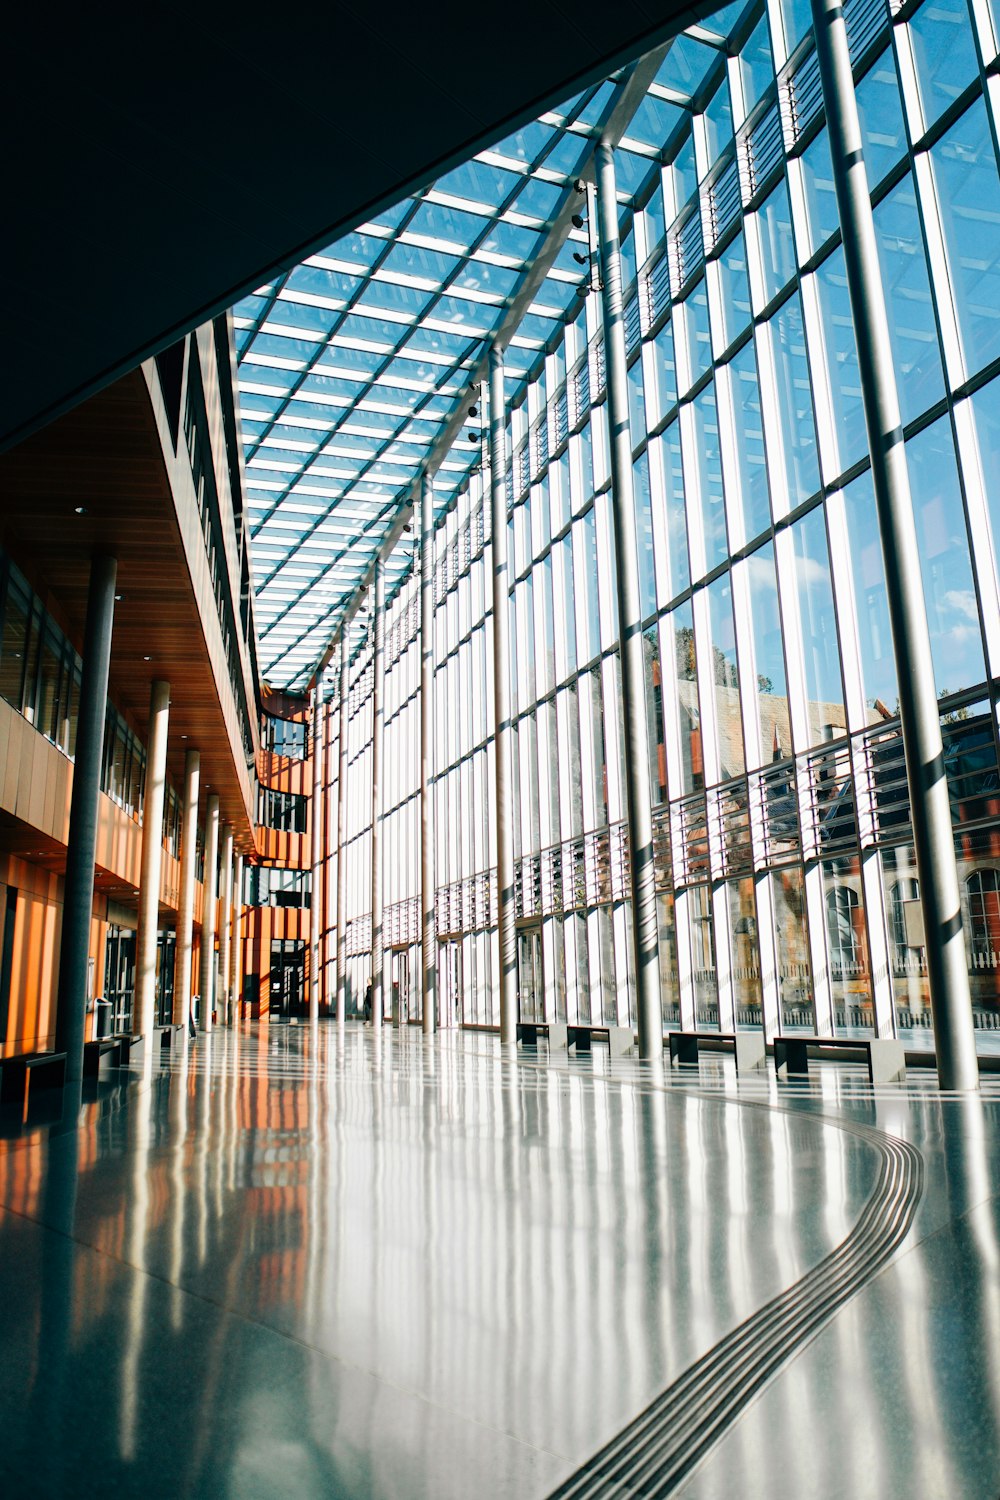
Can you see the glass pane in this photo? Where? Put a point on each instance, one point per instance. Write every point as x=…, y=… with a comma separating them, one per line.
x=821, y=199
x=952, y=611
x=841, y=362
x=777, y=245
x=801, y=471
x=664, y=384
x=883, y=133
x=735, y=289
x=726, y=679
x=769, y=656
x=673, y=570
x=986, y=411
x=968, y=193
x=915, y=349
x=654, y=715
x=644, y=535
x=878, y=665
x=818, y=625
x=681, y=626
x=709, y=459
x=751, y=477
x=944, y=54
x=756, y=65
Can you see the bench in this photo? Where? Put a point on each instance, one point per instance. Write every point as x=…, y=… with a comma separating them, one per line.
x=47, y=1069
x=130, y=1048
x=886, y=1056
x=168, y=1033
x=528, y=1032
x=748, y=1047
x=619, y=1038
x=100, y=1056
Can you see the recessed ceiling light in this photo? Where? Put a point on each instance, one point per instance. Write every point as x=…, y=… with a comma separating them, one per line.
x=147, y=658
x=81, y=510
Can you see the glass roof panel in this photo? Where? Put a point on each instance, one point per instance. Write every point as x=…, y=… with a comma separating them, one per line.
x=353, y=364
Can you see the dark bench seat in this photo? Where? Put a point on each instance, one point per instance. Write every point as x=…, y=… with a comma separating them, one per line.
x=100, y=1056
x=528, y=1033
x=885, y=1056
x=619, y=1038
x=47, y=1070
x=130, y=1048
x=747, y=1046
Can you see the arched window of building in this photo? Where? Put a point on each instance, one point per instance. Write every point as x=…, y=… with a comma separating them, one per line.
x=842, y=915
x=982, y=890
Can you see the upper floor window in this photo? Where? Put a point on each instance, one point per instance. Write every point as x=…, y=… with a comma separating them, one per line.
x=283, y=810
x=285, y=737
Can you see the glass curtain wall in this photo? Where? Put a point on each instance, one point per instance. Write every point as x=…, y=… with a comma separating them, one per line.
x=787, y=886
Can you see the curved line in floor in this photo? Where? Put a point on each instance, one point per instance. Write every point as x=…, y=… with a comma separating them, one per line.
x=661, y=1447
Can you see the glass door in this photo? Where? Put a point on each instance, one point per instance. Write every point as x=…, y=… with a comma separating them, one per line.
x=450, y=983
x=530, y=995
x=400, y=986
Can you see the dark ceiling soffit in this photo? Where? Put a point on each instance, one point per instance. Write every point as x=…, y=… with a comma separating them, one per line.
x=678, y=16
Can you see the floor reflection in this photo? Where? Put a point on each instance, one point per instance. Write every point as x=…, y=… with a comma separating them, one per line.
x=297, y=1261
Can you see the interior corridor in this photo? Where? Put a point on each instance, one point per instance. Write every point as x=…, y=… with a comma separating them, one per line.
x=294, y=1262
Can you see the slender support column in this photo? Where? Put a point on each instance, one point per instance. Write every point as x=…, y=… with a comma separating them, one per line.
x=506, y=930
x=316, y=827
x=378, y=736
x=428, y=926
x=144, y=1010
x=185, y=914
x=341, y=837
x=225, y=921
x=638, y=792
x=933, y=837
x=208, y=914
x=236, y=957
x=81, y=852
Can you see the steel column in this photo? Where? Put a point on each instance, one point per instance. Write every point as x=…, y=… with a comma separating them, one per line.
x=236, y=956
x=428, y=926
x=506, y=930
x=933, y=836
x=185, y=913
x=225, y=919
x=210, y=892
x=81, y=850
x=638, y=791
x=316, y=828
x=341, y=834
x=378, y=738
x=144, y=1008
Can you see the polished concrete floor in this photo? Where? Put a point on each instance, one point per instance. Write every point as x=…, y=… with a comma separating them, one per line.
x=301, y=1264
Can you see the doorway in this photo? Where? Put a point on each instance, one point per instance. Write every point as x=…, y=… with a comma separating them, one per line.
x=400, y=961
x=530, y=995
x=288, y=978
x=450, y=977
x=119, y=978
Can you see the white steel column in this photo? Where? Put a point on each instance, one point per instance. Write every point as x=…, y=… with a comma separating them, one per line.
x=428, y=926
x=378, y=740
x=506, y=930
x=316, y=828
x=225, y=919
x=208, y=913
x=185, y=914
x=638, y=792
x=341, y=831
x=152, y=850
x=236, y=956
x=930, y=811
